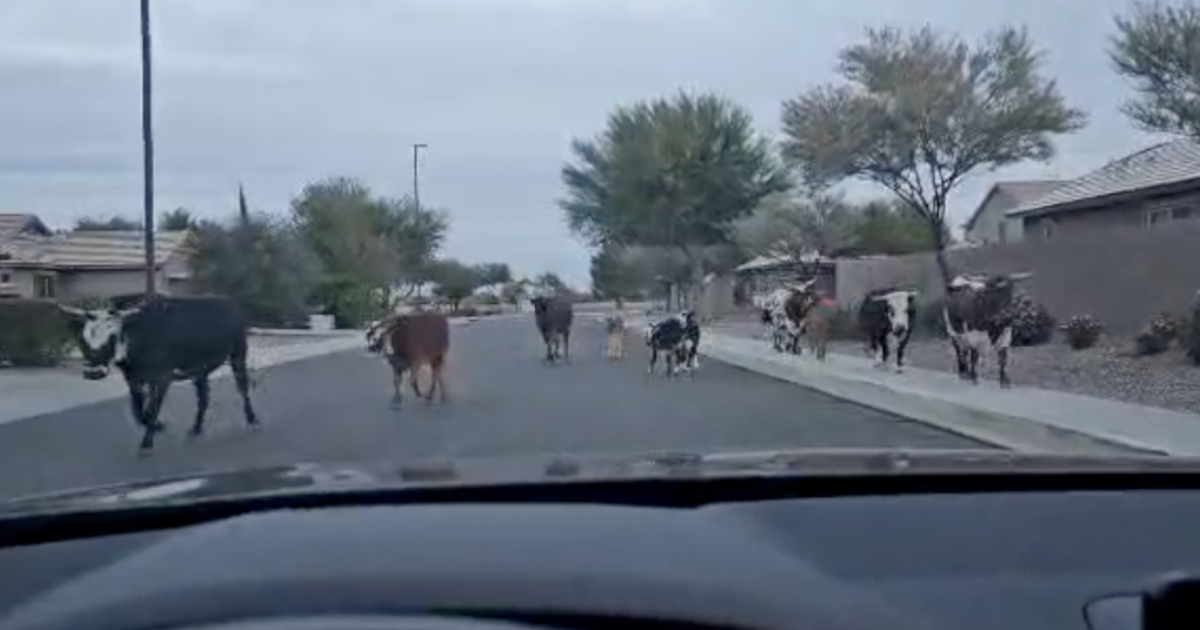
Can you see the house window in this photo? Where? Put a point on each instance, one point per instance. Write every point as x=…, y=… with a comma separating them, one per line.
x=1180, y=213
x=1155, y=217
x=5, y=278
x=1048, y=229
x=45, y=286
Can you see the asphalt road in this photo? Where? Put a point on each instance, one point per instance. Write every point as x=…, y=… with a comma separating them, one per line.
x=504, y=401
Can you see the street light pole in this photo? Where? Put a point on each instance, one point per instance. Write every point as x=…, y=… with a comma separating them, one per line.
x=147, y=153
x=416, y=184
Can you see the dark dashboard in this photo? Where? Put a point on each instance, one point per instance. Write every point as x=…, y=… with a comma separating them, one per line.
x=996, y=560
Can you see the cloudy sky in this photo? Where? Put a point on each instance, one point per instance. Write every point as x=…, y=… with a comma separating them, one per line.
x=276, y=93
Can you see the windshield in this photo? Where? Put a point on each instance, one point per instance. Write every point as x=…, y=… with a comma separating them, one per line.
x=248, y=234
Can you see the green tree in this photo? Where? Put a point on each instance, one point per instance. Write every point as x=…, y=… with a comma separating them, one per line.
x=455, y=281
x=549, y=281
x=514, y=292
x=612, y=277
x=786, y=225
x=891, y=228
x=919, y=111
x=493, y=273
x=366, y=245
x=260, y=262
x=1157, y=47
x=671, y=172
x=111, y=224
x=176, y=220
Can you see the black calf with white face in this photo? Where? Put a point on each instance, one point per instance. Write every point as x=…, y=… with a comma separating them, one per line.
x=101, y=339
x=165, y=340
x=678, y=338
x=886, y=317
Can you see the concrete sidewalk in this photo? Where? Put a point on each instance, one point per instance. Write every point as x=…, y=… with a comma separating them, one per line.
x=1021, y=418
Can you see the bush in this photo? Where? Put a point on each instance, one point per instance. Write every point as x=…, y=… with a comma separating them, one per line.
x=1032, y=324
x=33, y=333
x=1157, y=336
x=1083, y=331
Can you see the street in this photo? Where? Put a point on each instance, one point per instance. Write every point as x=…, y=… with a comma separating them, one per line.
x=504, y=401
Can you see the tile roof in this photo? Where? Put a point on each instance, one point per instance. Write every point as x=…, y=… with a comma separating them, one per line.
x=11, y=224
x=1171, y=162
x=93, y=250
x=1022, y=192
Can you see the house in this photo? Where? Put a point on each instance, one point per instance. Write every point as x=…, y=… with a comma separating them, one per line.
x=36, y=262
x=1148, y=188
x=765, y=274
x=988, y=224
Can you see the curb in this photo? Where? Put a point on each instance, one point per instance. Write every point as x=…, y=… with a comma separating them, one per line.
x=997, y=429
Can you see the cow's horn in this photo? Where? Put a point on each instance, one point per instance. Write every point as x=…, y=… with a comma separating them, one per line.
x=1021, y=275
x=72, y=311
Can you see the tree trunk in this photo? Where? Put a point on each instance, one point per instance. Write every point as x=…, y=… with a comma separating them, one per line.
x=937, y=224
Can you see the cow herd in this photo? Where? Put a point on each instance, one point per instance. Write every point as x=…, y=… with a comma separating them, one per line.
x=167, y=339
x=977, y=314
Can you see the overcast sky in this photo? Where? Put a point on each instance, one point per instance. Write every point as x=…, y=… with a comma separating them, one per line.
x=276, y=93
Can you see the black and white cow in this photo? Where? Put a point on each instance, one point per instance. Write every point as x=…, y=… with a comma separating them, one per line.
x=166, y=339
x=886, y=317
x=979, y=315
x=785, y=311
x=678, y=337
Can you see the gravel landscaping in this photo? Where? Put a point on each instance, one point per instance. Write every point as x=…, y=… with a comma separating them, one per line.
x=1107, y=370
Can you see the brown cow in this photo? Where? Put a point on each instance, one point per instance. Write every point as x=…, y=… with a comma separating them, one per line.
x=817, y=325
x=410, y=341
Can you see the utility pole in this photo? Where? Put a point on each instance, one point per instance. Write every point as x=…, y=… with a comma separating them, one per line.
x=147, y=153
x=416, y=177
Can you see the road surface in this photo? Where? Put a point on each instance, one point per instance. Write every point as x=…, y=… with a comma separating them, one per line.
x=504, y=401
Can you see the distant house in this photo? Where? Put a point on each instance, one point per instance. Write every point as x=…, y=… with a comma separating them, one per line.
x=1151, y=187
x=36, y=262
x=764, y=274
x=988, y=224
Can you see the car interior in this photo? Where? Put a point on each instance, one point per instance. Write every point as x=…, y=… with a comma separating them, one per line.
x=1028, y=551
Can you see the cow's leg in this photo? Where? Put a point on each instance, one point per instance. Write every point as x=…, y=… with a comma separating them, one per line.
x=203, y=389
x=153, y=406
x=960, y=356
x=566, y=346
x=884, y=352
x=414, y=376
x=437, y=371
x=1002, y=346
x=1002, y=364
x=900, y=347
x=653, y=359
x=137, y=402
x=973, y=363
x=397, y=385
x=549, y=341
x=241, y=378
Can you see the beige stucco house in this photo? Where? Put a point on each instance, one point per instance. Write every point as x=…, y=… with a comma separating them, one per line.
x=37, y=262
x=1153, y=187
x=989, y=223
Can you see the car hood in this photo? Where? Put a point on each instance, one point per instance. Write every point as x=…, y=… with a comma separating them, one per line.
x=320, y=477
